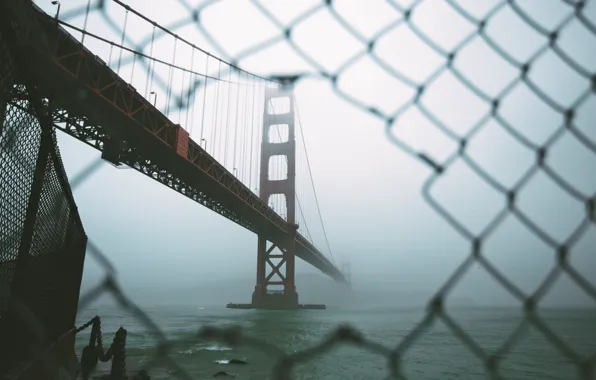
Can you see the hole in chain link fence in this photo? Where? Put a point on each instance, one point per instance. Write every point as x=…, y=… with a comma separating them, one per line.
x=567, y=42
x=513, y=248
x=477, y=9
x=438, y=353
x=549, y=209
x=581, y=254
x=557, y=81
x=453, y=105
x=418, y=131
x=379, y=90
x=334, y=361
x=547, y=19
x=533, y=347
x=485, y=68
x=588, y=13
x=335, y=45
x=462, y=185
x=570, y=159
x=525, y=115
x=583, y=121
x=227, y=22
x=279, y=58
x=566, y=291
x=406, y=53
x=431, y=18
x=368, y=21
x=513, y=36
x=562, y=325
x=288, y=12
x=485, y=147
x=470, y=305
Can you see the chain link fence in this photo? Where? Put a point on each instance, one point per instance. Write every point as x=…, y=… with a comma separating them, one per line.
x=562, y=113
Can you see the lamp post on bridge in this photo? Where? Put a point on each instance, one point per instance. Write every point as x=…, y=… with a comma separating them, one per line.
x=205, y=141
x=57, y=16
x=155, y=98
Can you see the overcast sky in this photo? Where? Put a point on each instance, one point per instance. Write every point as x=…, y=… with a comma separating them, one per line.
x=369, y=188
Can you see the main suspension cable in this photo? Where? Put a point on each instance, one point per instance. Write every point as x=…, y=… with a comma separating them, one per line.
x=313, y=183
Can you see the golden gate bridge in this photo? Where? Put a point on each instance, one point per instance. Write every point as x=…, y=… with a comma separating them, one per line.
x=232, y=112
x=227, y=139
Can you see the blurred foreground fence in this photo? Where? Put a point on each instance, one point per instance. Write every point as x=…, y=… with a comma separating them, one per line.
x=572, y=116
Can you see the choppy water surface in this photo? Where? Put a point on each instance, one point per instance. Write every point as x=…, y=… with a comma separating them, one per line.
x=437, y=354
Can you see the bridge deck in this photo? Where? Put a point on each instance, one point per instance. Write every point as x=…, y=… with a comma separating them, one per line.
x=101, y=109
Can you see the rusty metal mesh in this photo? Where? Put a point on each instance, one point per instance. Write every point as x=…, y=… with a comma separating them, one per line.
x=578, y=13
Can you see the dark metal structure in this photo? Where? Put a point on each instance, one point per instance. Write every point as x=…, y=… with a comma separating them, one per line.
x=42, y=240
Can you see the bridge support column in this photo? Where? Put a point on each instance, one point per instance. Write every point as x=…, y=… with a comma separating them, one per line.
x=278, y=113
x=275, y=284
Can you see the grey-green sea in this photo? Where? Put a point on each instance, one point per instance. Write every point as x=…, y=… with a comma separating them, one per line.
x=435, y=354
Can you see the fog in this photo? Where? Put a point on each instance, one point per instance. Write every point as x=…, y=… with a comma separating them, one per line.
x=168, y=249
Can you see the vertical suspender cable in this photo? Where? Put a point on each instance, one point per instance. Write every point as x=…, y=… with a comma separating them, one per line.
x=181, y=104
x=204, y=98
x=252, y=133
x=170, y=78
x=85, y=22
x=151, y=71
x=132, y=72
x=244, y=130
x=236, y=126
x=111, y=51
x=122, y=40
x=194, y=92
x=215, y=111
x=226, y=137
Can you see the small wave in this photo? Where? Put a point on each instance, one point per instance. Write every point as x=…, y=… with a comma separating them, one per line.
x=200, y=308
x=216, y=348
x=209, y=348
x=231, y=361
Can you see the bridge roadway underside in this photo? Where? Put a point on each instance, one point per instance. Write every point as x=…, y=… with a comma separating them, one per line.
x=82, y=110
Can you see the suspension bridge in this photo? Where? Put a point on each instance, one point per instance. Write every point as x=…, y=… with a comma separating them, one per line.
x=219, y=135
